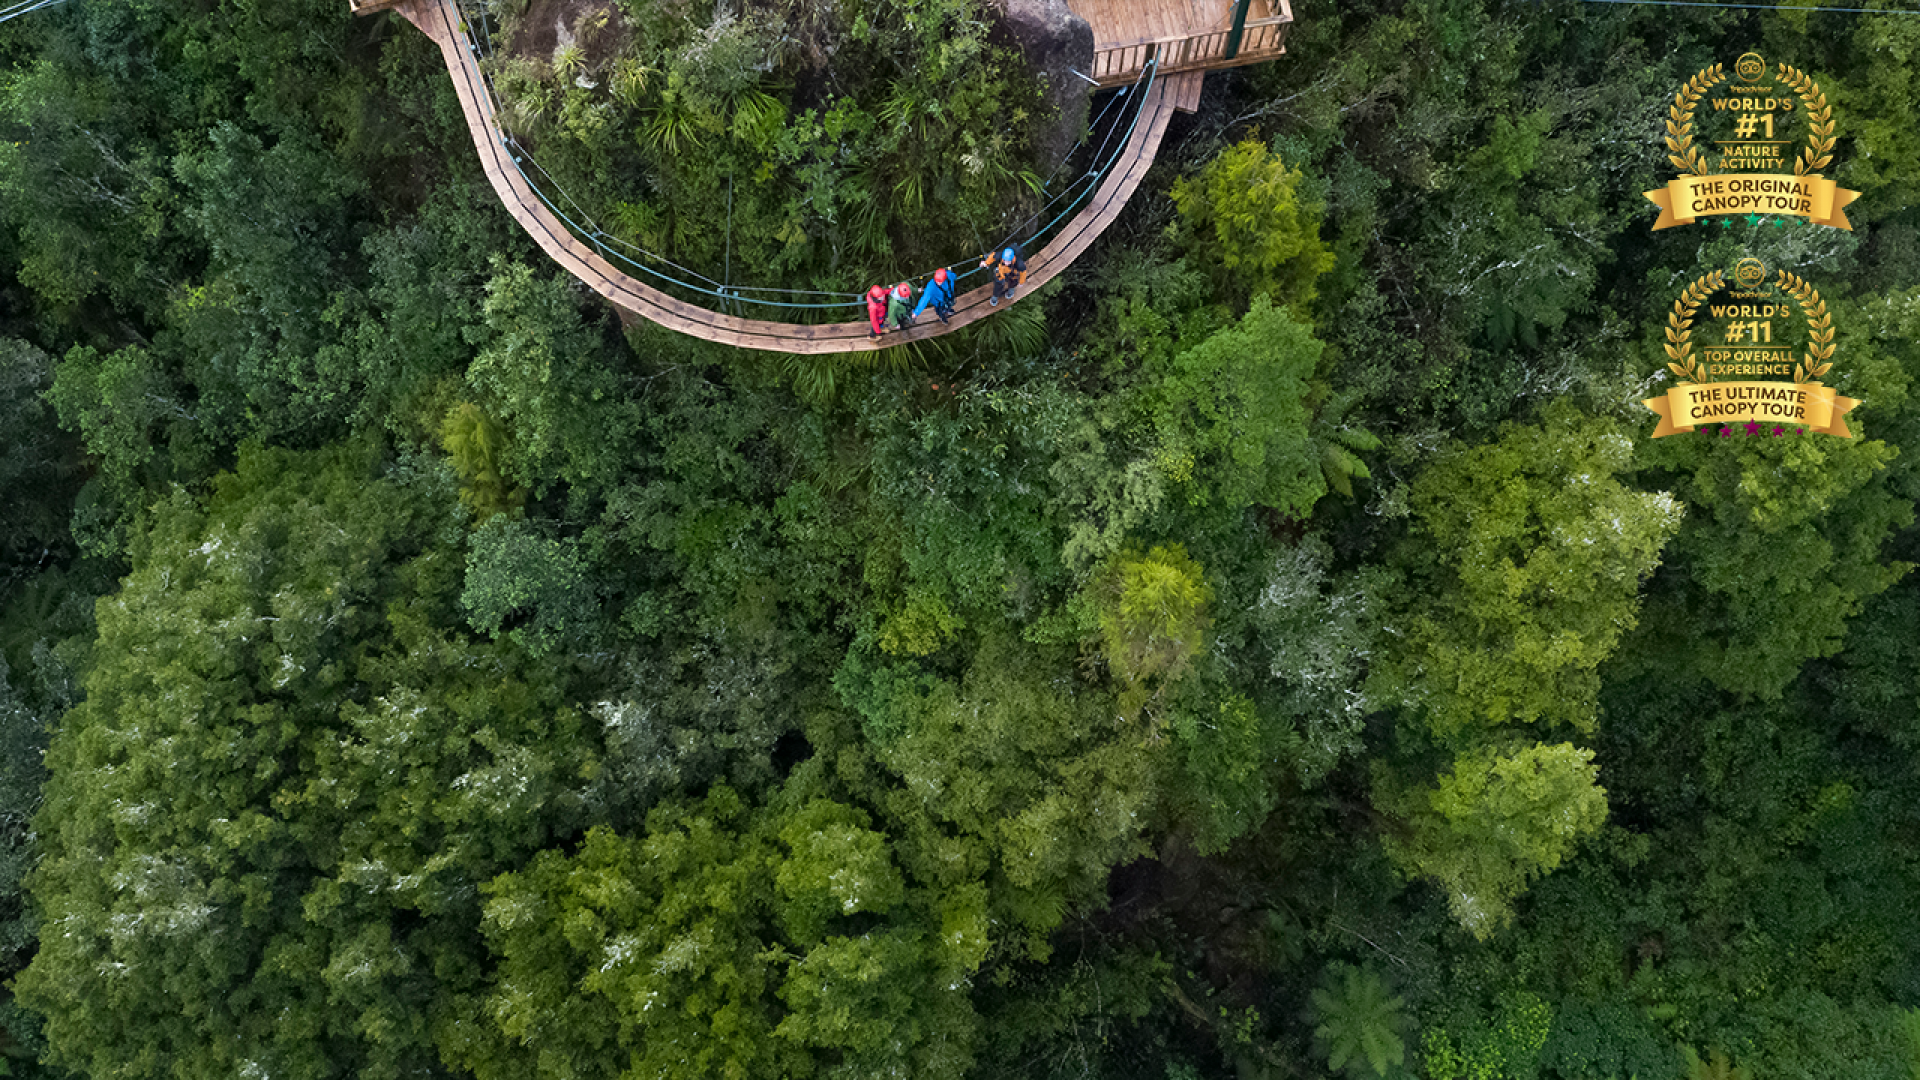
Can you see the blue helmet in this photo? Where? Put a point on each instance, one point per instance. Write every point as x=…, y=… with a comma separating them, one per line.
x=1007, y=255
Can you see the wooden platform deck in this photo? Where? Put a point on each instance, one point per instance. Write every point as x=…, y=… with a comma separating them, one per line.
x=440, y=20
x=1185, y=35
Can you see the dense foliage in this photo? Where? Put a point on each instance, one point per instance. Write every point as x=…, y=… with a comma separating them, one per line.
x=778, y=144
x=1275, y=650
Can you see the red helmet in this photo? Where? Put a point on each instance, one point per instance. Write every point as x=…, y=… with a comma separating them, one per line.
x=878, y=292
x=903, y=289
x=940, y=275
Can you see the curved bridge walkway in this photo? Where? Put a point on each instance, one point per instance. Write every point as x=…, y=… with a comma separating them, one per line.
x=440, y=20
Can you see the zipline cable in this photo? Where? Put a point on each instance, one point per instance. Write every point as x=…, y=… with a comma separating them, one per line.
x=1094, y=173
x=26, y=7
x=1757, y=7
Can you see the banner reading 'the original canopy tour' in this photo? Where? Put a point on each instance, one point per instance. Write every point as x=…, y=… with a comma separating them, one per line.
x=1815, y=198
x=1747, y=121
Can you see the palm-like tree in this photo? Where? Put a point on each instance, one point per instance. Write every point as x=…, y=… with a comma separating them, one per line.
x=1336, y=441
x=1360, y=1022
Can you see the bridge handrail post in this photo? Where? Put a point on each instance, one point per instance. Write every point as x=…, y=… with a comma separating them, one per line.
x=1239, y=27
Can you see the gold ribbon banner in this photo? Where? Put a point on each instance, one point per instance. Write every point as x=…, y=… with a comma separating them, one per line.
x=1815, y=198
x=1811, y=405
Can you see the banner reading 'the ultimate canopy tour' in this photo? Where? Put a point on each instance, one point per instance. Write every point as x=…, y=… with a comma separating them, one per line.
x=1750, y=119
x=1753, y=313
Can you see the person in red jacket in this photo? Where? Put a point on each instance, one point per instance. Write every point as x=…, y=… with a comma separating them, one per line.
x=877, y=311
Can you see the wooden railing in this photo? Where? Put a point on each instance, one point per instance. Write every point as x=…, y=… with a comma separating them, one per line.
x=1261, y=39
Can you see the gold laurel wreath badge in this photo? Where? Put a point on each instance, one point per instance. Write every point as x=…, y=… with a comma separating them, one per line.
x=1680, y=326
x=1680, y=149
x=1819, y=324
x=1820, y=137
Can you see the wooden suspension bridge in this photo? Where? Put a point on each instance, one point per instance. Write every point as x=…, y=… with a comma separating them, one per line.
x=1182, y=39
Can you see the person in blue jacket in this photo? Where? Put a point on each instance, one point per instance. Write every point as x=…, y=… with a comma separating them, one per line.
x=938, y=295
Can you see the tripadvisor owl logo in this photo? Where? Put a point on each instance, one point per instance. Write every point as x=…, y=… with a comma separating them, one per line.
x=1752, y=325
x=1750, y=124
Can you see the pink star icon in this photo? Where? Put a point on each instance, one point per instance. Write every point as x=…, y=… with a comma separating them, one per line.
x=1753, y=427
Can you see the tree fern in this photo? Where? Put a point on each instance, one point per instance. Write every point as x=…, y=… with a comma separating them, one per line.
x=1336, y=441
x=1360, y=1022
x=1340, y=465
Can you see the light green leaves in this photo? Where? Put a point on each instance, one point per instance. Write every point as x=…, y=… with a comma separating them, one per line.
x=1015, y=775
x=477, y=444
x=1532, y=556
x=1533, y=552
x=637, y=952
x=1497, y=820
x=837, y=866
x=727, y=941
x=268, y=821
x=1243, y=214
x=1153, y=614
x=1235, y=404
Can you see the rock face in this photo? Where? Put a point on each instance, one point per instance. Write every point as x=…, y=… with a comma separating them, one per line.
x=1053, y=40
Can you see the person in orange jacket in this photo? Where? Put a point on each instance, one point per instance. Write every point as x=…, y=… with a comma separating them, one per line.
x=1009, y=273
x=877, y=311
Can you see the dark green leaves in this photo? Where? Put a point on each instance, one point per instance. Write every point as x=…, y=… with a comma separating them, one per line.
x=1359, y=1022
x=527, y=586
x=270, y=817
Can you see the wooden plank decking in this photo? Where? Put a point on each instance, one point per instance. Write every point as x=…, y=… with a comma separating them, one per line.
x=1117, y=22
x=1184, y=35
x=440, y=20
